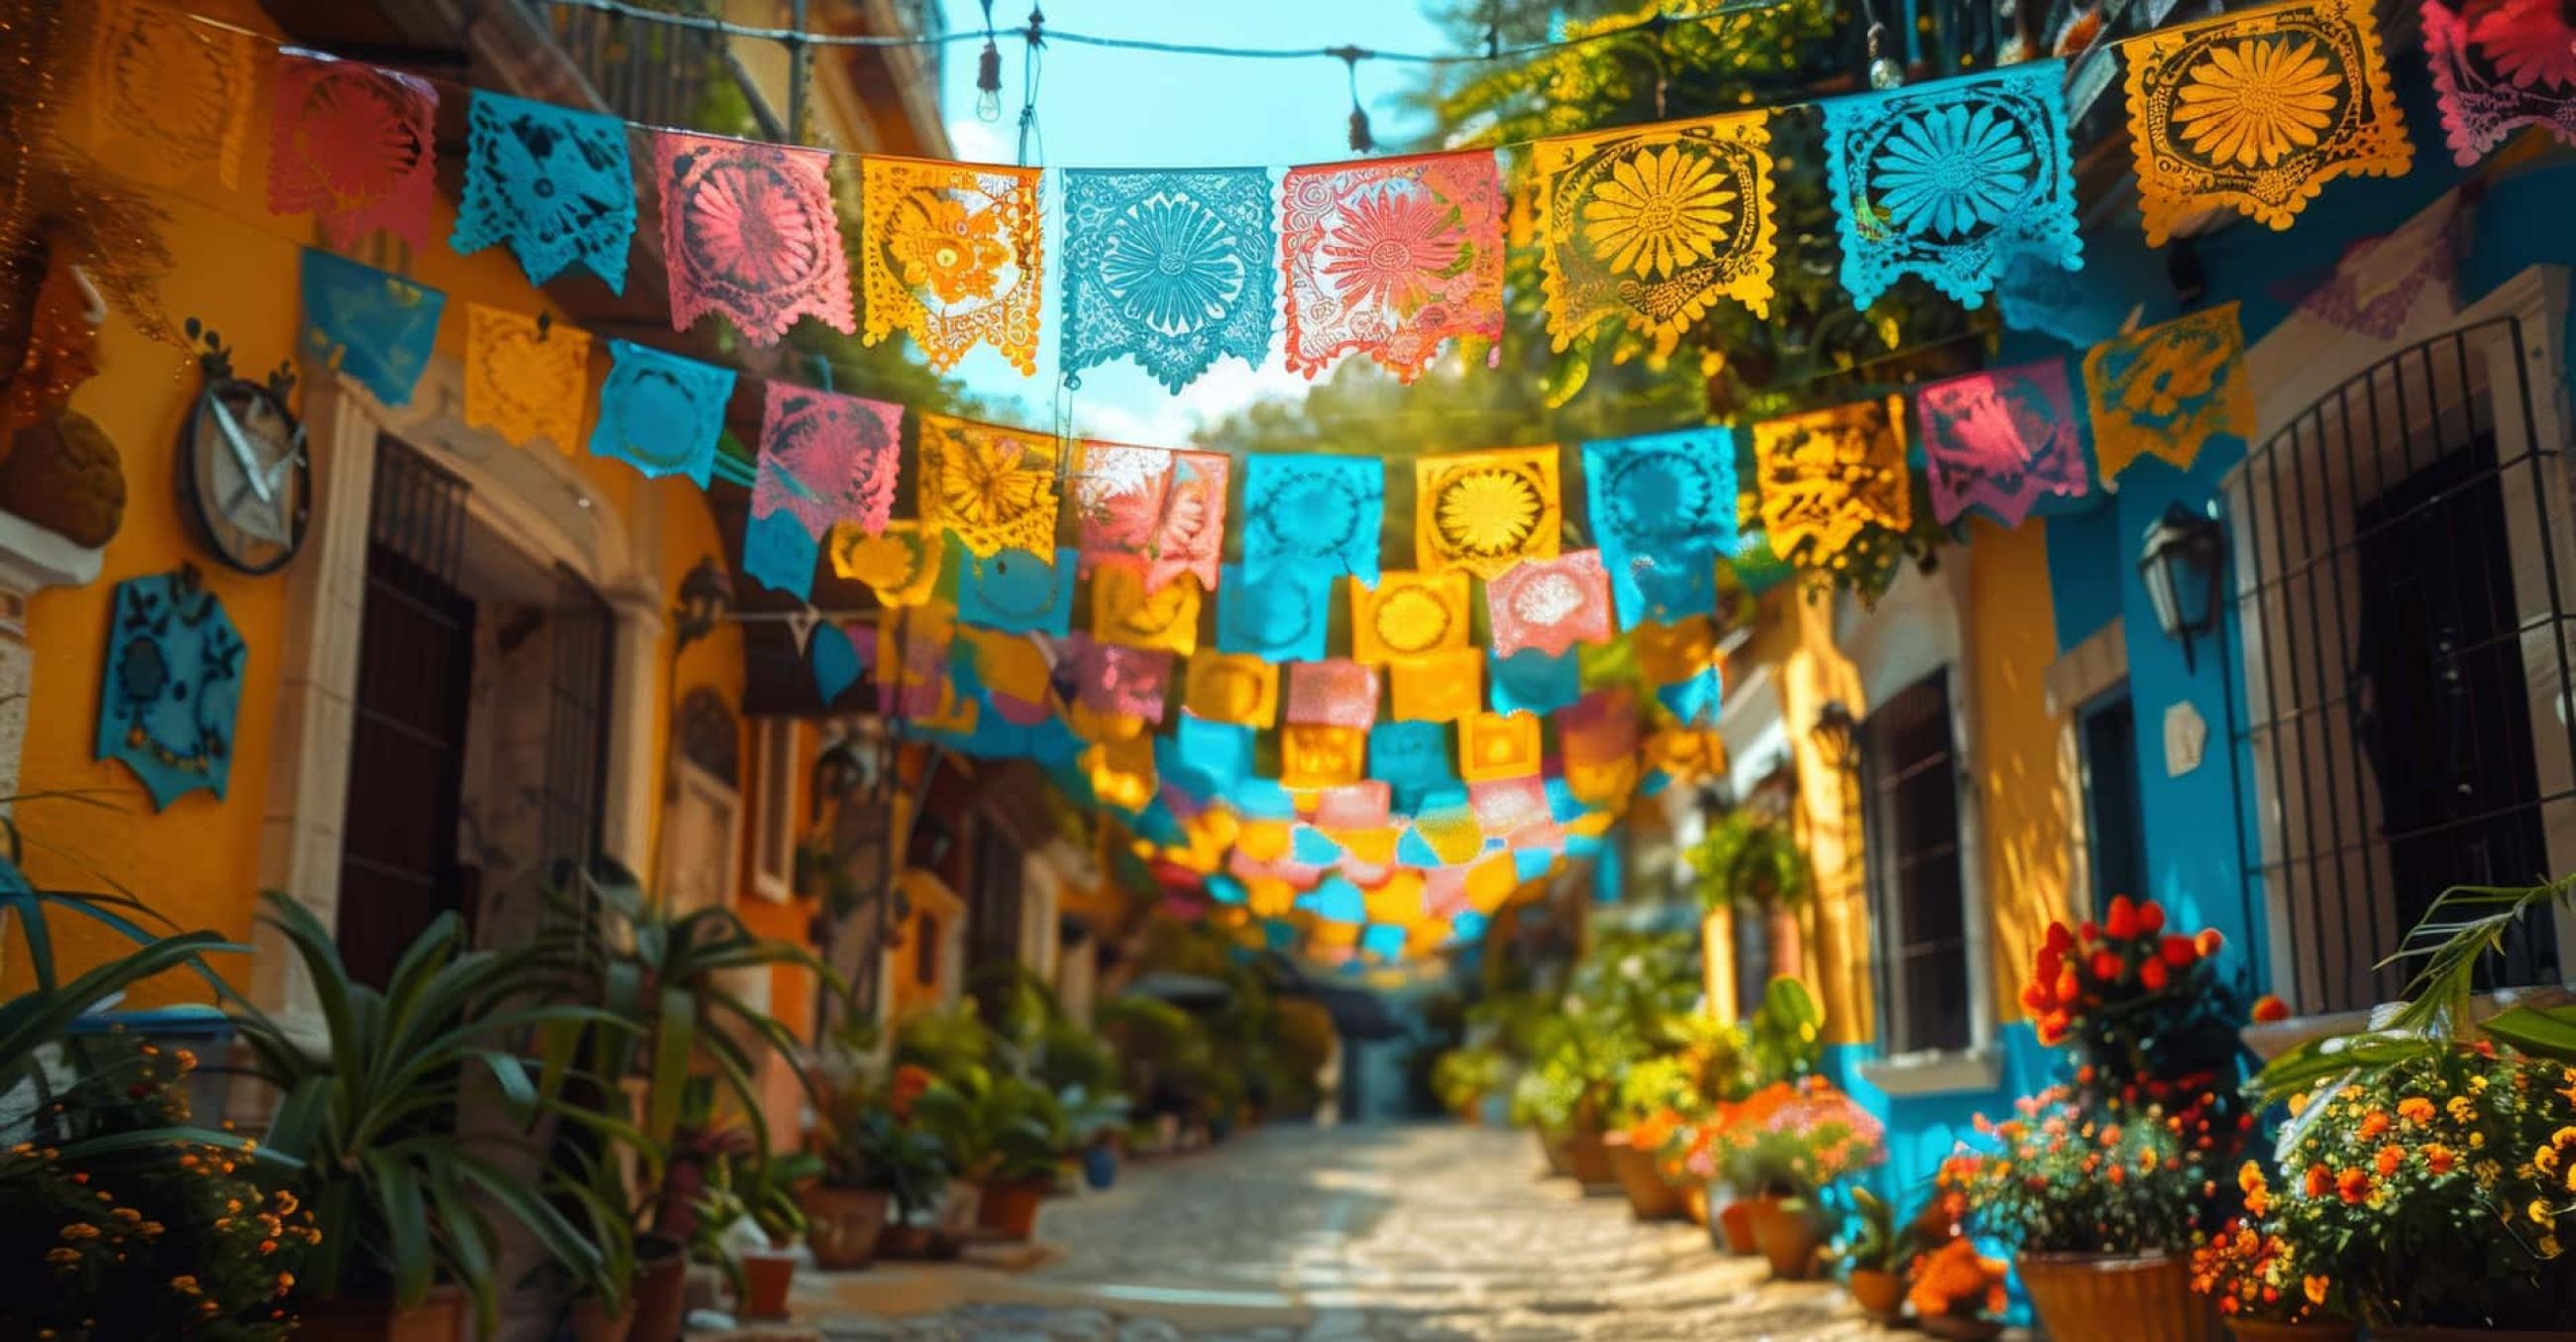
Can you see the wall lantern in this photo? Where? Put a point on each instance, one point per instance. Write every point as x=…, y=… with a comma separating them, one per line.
x=1837, y=736
x=2184, y=556
x=706, y=595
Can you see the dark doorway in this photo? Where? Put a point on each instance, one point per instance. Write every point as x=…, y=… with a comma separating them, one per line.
x=2114, y=822
x=398, y=869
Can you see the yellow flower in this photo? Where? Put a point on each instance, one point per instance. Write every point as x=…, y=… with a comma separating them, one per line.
x=2487, y=1172
x=2540, y=1212
x=1660, y=211
x=2257, y=101
x=2548, y=1247
x=2462, y=1109
x=1489, y=512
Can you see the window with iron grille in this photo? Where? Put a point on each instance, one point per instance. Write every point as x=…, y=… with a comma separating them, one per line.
x=2401, y=586
x=1910, y=838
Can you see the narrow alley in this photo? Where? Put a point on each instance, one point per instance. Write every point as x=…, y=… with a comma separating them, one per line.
x=1368, y=1234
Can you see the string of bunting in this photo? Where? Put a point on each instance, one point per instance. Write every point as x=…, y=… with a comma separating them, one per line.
x=1459, y=745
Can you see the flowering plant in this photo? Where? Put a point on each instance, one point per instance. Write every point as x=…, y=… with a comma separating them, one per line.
x=1719, y=1142
x=1814, y=1136
x=2252, y=1269
x=2441, y=1190
x=1955, y=1281
x=2133, y=1000
x=2066, y=1175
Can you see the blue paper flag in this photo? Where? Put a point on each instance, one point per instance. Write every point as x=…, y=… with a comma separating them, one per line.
x=376, y=328
x=1383, y=940
x=1316, y=514
x=778, y=552
x=1411, y=758
x=1692, y=700
x=660, y=412
x=1205, y=759
x=1530, y=681
x=1225, y=889
x=172, y=685
x=1016, y=591
x=1170, y=268
x=1282, y=616
x=552, y=182
x=1264, y=799
x=835, y=660
x=1662, y=508
x=1335, y=899
x=1312, y=846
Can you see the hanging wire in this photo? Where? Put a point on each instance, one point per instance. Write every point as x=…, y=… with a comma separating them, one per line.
x=1362, y=141
x=1032, y=144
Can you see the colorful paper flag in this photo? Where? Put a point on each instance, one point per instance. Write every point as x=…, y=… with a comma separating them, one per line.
x=374, y=328
x=1169, y=268
x=748, y=231
x=949, y=253
x=525, y=378
x=1550, y=604
x=1829, y=474
x=1999, y=439
x=354, y=146
x=552, y=182
x=1652, y=225
x=661, y=413
x=1485, y=511
x=2166, y=390
x=1391, y=257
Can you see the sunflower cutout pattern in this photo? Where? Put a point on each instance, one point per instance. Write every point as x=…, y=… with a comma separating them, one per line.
x=1123, y=612
x=1663, y=510
x=1408, y=616
x=1391, y=257
x=525, y=380
x=1653, y=226
x=1497, y=746
x=950, y=253
x=1443, y=687
x=1336, y=693
x=992, y=488
x=1828, y=474
x=2258, y=111
x=354, y=146
x=1999, y=439
x=2168, y=389
x=552, y=182
x=2499, y=66
x=169, y=97
x=1317, y=514
x=1227, y=687
x=1953, y=181
x=1485, y=511
x=748, y=231
x=1171, y=269
x=900, y=564
x=827, y=458
x=1550, y=604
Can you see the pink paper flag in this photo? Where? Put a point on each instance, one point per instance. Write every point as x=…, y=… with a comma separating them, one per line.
x=1444, y=891
x=1550, y=604
x=2000, y=438
x=1361, y=805
x=1157, y=511
x=827, y=458
x=1391, y=257
x=1509, y=804
x=1335, y=693
x=1126, y=682
x=748, y=231
x=2499, y=65
x=354, y=145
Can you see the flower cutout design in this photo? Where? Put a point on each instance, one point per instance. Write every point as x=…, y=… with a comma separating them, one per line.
x=1957, y=170
x=2258, y=101
x=2257, y=111
x=1549, y=605
x=993, y=488
x=354, y=145
x=953, y=252
x=1488, y=512
x=1661, y=210
x=2529, y=43
x=1174, y=263
x=1390, y=258
x=1314, y=512
x=1391, y=248
x=2499, y=65
x=749, y=232
x=1485, y=511
x=2000, y=438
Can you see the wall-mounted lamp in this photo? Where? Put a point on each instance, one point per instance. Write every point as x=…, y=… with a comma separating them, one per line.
x=2181, y=563
x=1837, y=736
x=706, y=596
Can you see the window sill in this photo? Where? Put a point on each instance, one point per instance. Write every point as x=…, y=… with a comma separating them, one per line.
x=2271, y=1040
x=1966, y=1071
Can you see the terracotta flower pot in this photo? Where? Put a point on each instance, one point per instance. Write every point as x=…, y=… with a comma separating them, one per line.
x=591, y=1321
x=2317, y=1330
x=1735, y=1226
x=1961, y=1327
x=1560, y=1164
x=438, y=1318
x=1009, y=1210
x=661, y=1298
x=2086, y=1297
x=766, y=1276
x=1590, y=1158
x=1882, y=1294
x=1695, y=1202
x=1649, y=1197
x=1787, y=1234
x=843, y=1225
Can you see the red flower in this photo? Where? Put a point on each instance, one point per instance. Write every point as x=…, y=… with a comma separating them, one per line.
x=2123, y=922
x=2088, y=932
x=2036, y=997
x=2059, y=939
x=2107, y=966
x=2151, y=918
x=2152, y=975
x=2178, y=951
x=2269, y=1008
x=2209, y=941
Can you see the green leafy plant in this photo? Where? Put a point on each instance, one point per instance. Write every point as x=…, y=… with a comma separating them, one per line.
x=1463, y=1077
x=398, y=1193
x=996, y=1127
x=1749, y=859
x=1787, y=1033
x=2067, y=1175
x=1874, y=1242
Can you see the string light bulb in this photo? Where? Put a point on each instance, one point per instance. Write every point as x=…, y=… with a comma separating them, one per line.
x=988, y=83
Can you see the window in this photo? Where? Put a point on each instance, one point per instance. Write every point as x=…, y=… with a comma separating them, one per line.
x=925, y=950
x=773, y=852
x=2106, y=733
x=2401, y=583
x=1910, y=838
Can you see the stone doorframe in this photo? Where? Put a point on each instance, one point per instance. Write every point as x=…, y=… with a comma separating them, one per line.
x=532, y=495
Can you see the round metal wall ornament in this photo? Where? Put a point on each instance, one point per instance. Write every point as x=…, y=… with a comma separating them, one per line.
x=245, y=478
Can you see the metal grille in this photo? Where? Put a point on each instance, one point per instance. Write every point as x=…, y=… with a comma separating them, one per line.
x=415, y=654
x=1911, y=844
x=2400, y=586
x=578, y=684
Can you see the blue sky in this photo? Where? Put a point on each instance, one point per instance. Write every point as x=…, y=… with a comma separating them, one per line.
x=1100, y=108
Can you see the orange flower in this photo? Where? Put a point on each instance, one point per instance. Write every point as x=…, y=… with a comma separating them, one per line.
x=2415, y=1109
x=2390, y=1159
x=2320, y=1181
x=2439, y=1158
x=2316, y=1288
x=2269, y=1008
x=2373, y=1124
x=2353, y=1185
x=2208, y=942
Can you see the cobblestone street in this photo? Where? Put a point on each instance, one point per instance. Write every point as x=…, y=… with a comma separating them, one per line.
x=1341, y=1235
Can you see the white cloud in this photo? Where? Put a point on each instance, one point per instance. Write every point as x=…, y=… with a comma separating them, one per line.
x=980, y=142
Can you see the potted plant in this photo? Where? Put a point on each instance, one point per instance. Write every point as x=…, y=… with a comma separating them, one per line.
x=2101, y=1203
x=1005, y=1134
x=401, y=1197
x=1874, y=1255
x=1815, y=1139
x=1093, y=1122
x=1647, y=1112
x=759, y=1192
x=876, y=1169
x=1463, y=1077
x=1957, y=1292
x=2259, y=1279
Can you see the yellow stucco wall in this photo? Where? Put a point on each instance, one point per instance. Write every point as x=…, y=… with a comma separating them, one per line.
x=235, y=268
x=2023, y=794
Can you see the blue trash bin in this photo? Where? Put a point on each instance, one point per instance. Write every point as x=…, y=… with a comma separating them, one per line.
x=201, y=1030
